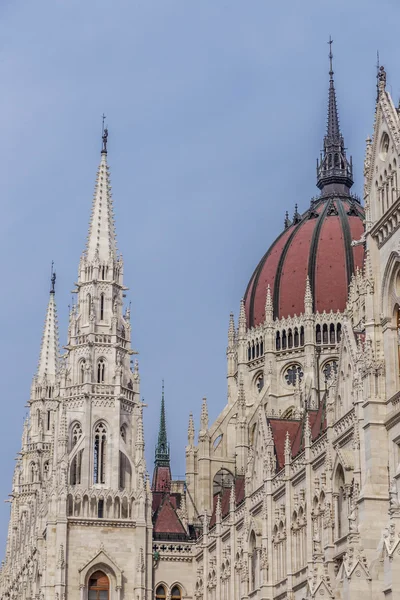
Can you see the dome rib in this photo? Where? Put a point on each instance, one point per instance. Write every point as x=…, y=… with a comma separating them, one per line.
x=312, y=259
x=280, y=267
x=253, y=284
x=347, y=241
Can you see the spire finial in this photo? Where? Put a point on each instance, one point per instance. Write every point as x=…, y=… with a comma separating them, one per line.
x=53, y=279
x=334, y=171
x=104, y=135
x=330, y=59
x=162, y=448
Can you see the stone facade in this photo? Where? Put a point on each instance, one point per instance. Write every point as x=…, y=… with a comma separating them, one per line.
x=292, y=493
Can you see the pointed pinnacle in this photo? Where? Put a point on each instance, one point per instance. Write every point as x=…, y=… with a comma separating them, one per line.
x=49, y=351
x=191, y=431
x=231, y=331
x=269, y=309
x=204, y=415
x=308, y=300
x=242, y=317
x=287, y=448
x=307, y=431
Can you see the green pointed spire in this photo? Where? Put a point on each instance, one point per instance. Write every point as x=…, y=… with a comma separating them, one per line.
x=162, y=448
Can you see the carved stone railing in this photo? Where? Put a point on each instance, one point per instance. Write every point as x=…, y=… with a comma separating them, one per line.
x=298, y=463
x=319, y=446
x=344, y=423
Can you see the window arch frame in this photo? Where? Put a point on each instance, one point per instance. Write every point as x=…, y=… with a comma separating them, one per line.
x=100, y=452
x=101, y=369
x=100, y=588
x=161, y=591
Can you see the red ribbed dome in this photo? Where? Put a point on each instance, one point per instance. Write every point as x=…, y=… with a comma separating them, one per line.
x=317, y=245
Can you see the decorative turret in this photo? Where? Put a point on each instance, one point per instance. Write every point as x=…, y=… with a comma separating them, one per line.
x=48, y=360
x=162, y=448
x=334, y=171
x=162, y=470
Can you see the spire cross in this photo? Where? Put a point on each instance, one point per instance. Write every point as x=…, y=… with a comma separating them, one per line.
x=52, y=278
x=330, y=57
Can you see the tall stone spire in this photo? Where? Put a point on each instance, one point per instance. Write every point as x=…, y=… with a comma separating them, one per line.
x=101, y=242
x=334, y=171
x=48, y=360
x=162, y=448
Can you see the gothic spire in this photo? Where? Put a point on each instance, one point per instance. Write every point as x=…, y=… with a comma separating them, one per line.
x=334, y=171
x=101, y=242
x=48, y=360
x=162, y=448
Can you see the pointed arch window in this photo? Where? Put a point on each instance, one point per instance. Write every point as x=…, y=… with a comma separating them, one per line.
x=101, y=370
x=32, y=472
x=89, y=306
x=161, y=593
x=253, y=561
x=101, y=307
x=99, y=587
x=76, y=434
x=332, y=333
x=99, y=458
x=302, y=336
x=76, y=468
x=338, y=332
x=82, y=365
x=278, y=341
x=176, y=593
x=325, y=333
x=318, y=334
x=296, y=337
x=290, y=339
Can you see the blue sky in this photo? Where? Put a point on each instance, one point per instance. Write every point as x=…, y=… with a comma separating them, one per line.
x=216, y=112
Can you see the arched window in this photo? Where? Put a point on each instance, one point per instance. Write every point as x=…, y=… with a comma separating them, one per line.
x=103, y=273
x=325, y=333
x=32, y=472
x=99, y=586
x=302, y=336
x=338, y=332
x=89, y=305
x=248, y=352
x=99, y=462
x=278, y=340
x=101, y=370
x=48, y=419
x=101, y=307
x=76, y=468
x=257, y=348
x=38, y=417
x=290, y=339
x=296, y=337
x=161, y=593
x=284, y=340
x=331, y=333
x=122, y=431
x=82, y=371
x=318, y=334
x=176, y=593
x=253, y=350
x=253, y=561
x=46, y=469
x=76, y=434
x=261, y=348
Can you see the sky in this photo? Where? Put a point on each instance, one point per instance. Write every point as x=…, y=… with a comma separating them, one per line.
x=216, y=112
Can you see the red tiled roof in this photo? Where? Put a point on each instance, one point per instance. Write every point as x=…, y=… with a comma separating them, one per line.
x=166, y=519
